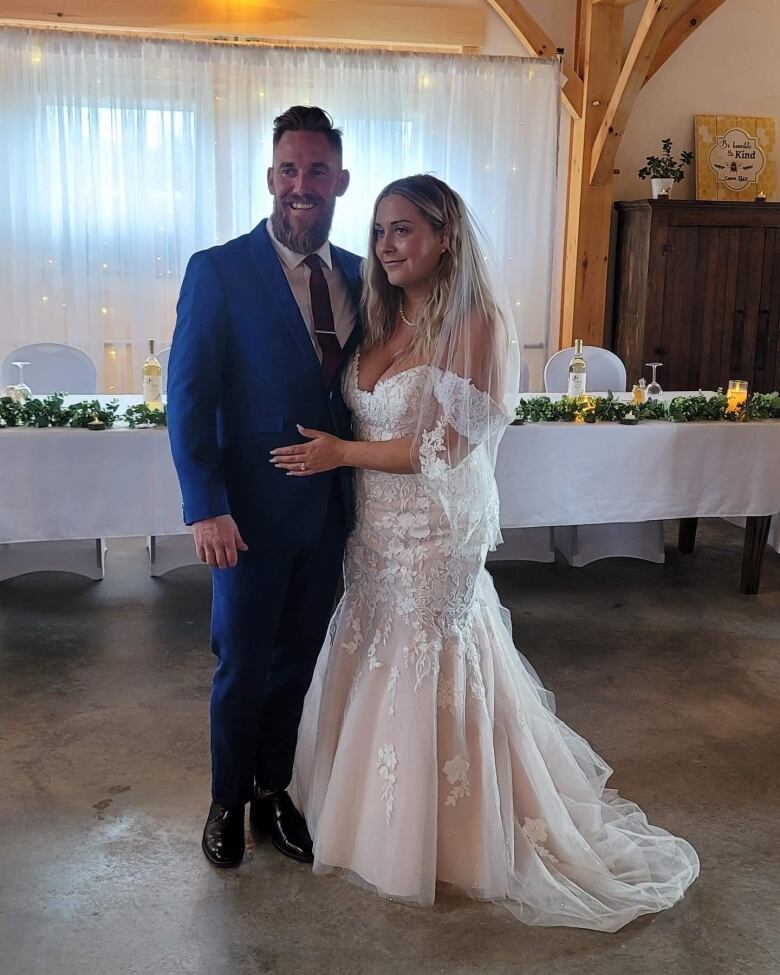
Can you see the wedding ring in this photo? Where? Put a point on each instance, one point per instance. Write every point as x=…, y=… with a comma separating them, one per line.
x=303, y=466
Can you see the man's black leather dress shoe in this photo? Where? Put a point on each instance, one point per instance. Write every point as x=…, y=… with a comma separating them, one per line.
x=275, y=814
x=223, y=836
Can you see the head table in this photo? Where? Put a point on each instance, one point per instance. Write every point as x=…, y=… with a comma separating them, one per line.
x=80, y=484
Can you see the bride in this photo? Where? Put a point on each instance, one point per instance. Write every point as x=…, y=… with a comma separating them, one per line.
x=428, y=751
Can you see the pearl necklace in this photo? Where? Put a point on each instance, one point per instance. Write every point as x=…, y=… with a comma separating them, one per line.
x=404, y=319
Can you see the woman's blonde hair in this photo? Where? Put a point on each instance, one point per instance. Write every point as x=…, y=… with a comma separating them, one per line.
x=445, y=212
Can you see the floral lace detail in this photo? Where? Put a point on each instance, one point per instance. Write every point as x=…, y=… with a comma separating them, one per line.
x=351, y=645
x=476, y=684
x=374, y=663
x=423, y=654
x=354, y=685
x=387, y=764
x=446, y=695
x=406, y=566
x=392, y=689
x=464, y=407
x=431, y=445
x=535, y=831
x=457, y=772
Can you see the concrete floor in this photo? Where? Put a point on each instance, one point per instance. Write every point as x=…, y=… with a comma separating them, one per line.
x=667, y=670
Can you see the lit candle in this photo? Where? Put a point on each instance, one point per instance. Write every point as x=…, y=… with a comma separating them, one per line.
x=585, y=411
x=736, y=395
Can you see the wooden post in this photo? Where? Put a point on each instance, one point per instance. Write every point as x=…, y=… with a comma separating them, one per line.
x=589, y=208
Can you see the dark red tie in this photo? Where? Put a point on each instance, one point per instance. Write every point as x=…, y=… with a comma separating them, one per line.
x=322, y=313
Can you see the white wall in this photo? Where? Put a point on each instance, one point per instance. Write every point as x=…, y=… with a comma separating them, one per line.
x=729, y=66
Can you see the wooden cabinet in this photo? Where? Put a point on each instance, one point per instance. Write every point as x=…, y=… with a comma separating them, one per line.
x=697, y=287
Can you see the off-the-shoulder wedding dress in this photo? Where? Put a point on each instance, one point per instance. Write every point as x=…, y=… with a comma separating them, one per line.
x=429, y=752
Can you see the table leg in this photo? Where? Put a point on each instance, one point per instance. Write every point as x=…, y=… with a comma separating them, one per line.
x=687, y=539
x=756, y=532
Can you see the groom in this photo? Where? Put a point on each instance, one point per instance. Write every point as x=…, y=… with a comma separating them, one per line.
x=264, y=325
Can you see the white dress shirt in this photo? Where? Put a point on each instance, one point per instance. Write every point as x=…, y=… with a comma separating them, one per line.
x=298, y=275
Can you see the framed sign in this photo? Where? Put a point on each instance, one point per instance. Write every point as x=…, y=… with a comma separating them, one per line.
x=735, y=157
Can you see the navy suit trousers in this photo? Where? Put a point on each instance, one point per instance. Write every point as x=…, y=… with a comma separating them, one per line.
x=270, y=615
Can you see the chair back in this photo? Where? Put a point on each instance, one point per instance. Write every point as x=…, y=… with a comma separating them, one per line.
x=162, y=357
x=53, y=368
x=604, y=370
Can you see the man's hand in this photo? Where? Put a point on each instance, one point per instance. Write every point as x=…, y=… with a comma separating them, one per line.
x=218, y=541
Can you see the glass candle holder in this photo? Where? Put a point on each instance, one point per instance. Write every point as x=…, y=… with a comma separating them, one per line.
x=736, y=395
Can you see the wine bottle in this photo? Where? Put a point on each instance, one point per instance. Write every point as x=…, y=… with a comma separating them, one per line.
x=152, y=372
x=577, y=371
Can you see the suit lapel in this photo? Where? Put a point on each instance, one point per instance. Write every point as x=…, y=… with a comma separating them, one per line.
x=270, y=268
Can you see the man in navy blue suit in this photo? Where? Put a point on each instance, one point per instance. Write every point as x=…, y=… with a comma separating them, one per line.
x=264, y=326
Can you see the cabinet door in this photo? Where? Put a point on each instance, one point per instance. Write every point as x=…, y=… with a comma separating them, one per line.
x=767, y=362
x=747, y=304
x=710, y=306
x=687, y=254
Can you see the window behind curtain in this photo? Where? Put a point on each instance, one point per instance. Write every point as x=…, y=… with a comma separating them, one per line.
x=121, y=157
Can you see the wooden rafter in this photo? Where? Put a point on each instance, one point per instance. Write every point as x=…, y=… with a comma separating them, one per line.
x=536, y=42
x=681, y=30
x=336, y=22
x=656, y=18
x=589, y=208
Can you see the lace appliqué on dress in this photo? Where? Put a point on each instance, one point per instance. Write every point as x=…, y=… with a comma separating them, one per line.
x=535, y=831
x=457, y=772
x=387, y=764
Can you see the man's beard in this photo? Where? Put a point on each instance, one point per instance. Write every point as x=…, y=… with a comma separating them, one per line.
x=301, y=241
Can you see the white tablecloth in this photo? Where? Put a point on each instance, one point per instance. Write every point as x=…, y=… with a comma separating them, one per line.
x=590, y=474
x=62, y=483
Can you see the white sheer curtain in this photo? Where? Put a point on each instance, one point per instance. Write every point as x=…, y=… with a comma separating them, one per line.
x=120, y=157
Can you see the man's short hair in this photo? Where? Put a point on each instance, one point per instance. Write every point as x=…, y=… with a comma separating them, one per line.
x=305, y=118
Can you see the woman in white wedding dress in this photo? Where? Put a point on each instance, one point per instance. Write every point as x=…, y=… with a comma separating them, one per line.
x=428, y=752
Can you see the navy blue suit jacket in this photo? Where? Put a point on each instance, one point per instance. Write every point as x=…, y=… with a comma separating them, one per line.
x=242, y=373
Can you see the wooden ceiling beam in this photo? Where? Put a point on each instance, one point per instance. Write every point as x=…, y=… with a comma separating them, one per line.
x=681, y=30
x=537, y=43
x=656, y=18
x=338, y=22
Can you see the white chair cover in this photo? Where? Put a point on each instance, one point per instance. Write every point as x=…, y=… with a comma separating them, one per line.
x=163, y=360
x=53, y=368
x=605, y=370
x=582, y=544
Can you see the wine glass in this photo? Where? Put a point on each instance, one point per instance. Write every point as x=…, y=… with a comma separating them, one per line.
x=654, y=387
x=23, y=391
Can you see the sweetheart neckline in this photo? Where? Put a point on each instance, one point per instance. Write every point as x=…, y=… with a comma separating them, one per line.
x=383, y=378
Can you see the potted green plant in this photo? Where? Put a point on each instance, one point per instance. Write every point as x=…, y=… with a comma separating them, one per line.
x=664, y=171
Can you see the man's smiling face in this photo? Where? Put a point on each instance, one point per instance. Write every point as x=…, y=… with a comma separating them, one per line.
x=305, y=180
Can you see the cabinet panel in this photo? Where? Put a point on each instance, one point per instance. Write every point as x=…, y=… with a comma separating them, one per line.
x=767, y=362
x=681, y=258
x=710, y=309
x=745, y=329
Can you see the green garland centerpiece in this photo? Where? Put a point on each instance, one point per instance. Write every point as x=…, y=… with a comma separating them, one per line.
x=680, y=409
x=141, y=416
x=50, y=411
